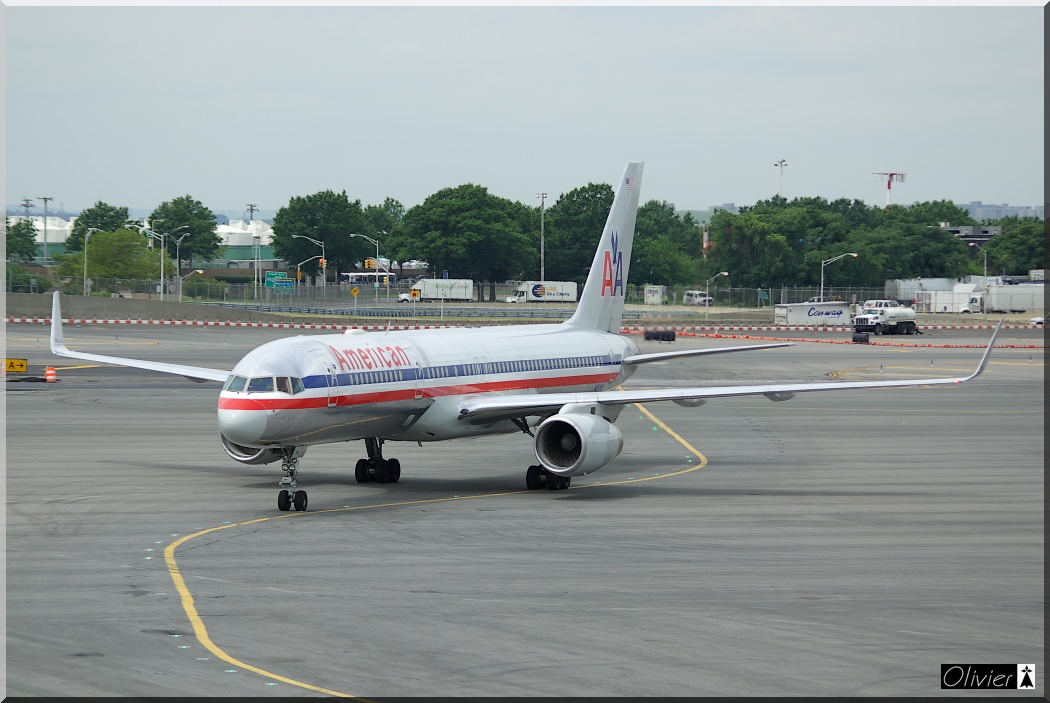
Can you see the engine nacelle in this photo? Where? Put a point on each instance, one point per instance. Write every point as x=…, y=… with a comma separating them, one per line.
x=575, y=444
x=251, y=455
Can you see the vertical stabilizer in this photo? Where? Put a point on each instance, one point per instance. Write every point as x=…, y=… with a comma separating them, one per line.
x=601, y=304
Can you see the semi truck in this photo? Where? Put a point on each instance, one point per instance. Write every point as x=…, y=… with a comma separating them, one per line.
x=834, y=312
x=430, y=289
x=885, y=317
x=1022, y=297
x=544, y=292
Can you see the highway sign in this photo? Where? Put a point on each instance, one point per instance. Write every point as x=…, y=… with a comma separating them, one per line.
x=270, y=275
x=281, y=283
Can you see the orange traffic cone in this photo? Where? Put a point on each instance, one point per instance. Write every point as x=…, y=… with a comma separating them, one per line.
x=49, y=374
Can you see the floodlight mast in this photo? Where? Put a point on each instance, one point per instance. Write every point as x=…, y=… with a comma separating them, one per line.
x=890, y=176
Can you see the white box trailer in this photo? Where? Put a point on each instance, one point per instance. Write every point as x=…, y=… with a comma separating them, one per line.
x=1023, y=297
x=832, y=313
x=655, y=295
x=544, y=292
x=430, y=289
x=950, y=301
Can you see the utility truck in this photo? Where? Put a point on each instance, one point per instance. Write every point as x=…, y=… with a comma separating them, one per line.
x=430, y=289
x=544, y=292
x=885, y=317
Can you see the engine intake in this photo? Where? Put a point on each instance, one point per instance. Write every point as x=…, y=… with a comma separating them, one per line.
x=251, y=455
x=576, y=444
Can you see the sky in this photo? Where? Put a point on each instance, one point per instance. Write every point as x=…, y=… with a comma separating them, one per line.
x=258, y=104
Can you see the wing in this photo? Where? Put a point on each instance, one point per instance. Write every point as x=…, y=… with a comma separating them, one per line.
x=482, y=409
x=58, y=348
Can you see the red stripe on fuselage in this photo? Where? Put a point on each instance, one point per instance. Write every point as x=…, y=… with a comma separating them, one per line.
x=366, y=397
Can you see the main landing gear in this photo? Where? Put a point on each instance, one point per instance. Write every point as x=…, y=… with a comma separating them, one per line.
x=289, y=494
x=538, y=477
x=375, y=467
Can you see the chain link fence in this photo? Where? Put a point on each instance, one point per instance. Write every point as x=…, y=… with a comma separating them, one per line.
x=197, y=289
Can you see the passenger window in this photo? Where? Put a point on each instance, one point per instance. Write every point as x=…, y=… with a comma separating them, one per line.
x=262, y=384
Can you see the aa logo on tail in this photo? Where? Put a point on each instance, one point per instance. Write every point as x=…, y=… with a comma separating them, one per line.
x=612, y=271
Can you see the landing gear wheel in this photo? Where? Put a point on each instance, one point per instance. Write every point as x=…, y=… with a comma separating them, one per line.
x=553, y=482
x=564, y=481
x=361, y=471
x=532, y=478
x=393, y=470
x=381, y=471
x=284, y=501
x=299, y=499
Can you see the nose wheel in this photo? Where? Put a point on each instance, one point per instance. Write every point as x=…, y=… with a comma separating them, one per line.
x=290, y=496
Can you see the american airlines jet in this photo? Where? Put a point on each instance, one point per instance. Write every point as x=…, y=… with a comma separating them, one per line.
x=554, y=382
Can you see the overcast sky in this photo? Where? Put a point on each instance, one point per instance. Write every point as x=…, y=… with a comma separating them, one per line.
x=237, y=105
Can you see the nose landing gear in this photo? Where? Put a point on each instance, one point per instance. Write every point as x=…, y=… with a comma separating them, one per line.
x=290, y=495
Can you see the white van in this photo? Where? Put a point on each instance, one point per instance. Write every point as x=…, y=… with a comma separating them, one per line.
x=697, y=297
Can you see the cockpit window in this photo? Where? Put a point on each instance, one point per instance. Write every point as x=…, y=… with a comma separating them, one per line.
x=284, y=384
x=235, y=384
x=261, y=384
x=297, y=385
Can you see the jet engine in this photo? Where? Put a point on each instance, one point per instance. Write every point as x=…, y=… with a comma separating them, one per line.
x=575, y=444
x=251, y=455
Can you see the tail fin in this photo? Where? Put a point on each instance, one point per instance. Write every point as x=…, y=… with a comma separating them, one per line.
x=601, y=304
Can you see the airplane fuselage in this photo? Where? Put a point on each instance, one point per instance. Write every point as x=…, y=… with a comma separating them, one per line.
x=329, y=388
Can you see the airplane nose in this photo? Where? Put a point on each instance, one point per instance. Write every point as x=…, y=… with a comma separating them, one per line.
x=243, y=426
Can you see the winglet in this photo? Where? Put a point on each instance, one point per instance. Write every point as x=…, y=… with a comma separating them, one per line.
x=987, y=352
x=57, y=340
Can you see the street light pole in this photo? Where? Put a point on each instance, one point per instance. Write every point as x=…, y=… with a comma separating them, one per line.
x=820, y=297
x=178, y=259
x=91, y=230
x=543, y=200
x=707, y=292
x=324, y=260
x=376, y=242
x=183, y=278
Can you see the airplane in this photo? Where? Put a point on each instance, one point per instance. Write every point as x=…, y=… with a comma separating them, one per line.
x=556, y=383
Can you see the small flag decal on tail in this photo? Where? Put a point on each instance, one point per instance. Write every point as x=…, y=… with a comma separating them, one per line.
x=630, y=183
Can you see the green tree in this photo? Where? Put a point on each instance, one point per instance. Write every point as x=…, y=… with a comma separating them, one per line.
x=468, y=232
x=190, y=220
x=667, y=247
x=100, y=216
x=574, y=224
x=385, y=217
x=327, y=217
x=21, y=240
x=1019, y=248
x=123, y=254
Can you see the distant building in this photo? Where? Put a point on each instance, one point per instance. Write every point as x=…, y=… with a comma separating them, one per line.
x=982, y=211
x=724, y=206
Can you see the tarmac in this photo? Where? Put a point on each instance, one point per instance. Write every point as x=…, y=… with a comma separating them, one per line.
x=839, y=544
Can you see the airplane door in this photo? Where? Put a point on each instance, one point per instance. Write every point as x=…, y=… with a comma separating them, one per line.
x=330, y=372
